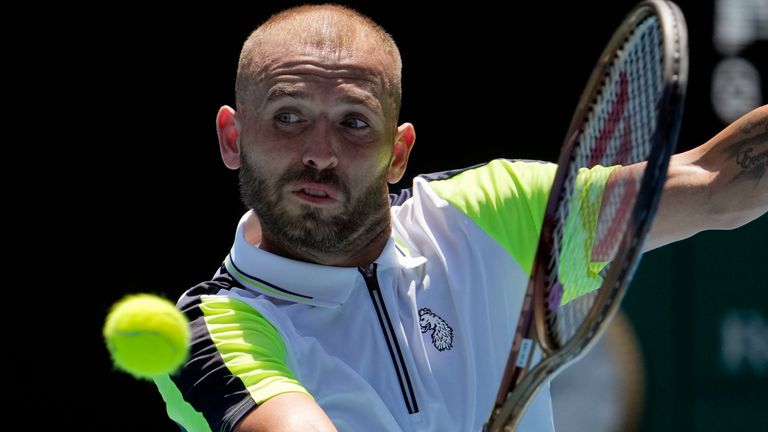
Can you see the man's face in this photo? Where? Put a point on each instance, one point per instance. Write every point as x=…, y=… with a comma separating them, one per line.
x=315, y=150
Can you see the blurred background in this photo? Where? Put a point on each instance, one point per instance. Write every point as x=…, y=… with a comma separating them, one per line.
x=131, y=195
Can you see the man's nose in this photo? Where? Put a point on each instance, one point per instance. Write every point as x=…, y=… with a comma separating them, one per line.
x=319, y=150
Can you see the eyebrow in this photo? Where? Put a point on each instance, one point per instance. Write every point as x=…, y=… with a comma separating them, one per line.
x=280, y=92
x=366, y=101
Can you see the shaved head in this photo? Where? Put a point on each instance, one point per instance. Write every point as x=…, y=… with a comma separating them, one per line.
x=330, y=31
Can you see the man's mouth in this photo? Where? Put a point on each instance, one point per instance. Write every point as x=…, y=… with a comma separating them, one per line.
x=316, y=193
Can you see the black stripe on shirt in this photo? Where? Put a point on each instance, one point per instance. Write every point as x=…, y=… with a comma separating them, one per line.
x=205, y=381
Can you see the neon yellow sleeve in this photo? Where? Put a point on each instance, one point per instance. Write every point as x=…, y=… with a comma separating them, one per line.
x=578, y=273
x=250, y=346
x=507, y=199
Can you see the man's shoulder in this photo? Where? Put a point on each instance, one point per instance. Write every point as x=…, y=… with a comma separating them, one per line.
x=226, y=291
x=500, y=171
x=219, y=284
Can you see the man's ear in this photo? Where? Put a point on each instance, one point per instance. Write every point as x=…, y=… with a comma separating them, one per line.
x=404, y=139
x=228, y=131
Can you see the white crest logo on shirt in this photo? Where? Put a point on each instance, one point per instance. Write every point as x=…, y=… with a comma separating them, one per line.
x=442, y=333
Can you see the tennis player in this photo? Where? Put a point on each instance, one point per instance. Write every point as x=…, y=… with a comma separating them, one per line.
x=341, y=307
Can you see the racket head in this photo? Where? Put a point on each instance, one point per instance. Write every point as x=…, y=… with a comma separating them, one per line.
x=629, y=112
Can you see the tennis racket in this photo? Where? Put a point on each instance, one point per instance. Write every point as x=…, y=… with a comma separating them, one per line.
x=592, y=237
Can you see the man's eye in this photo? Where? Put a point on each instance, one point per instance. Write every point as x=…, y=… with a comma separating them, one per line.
x=354, y=123
x=287, y=118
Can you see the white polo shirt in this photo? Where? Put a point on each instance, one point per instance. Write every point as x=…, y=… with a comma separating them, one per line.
x=415, y=342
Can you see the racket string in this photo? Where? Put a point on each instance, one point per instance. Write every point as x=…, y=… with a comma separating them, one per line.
x=590, y=222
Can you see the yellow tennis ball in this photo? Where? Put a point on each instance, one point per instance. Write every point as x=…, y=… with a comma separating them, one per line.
x=147, y=335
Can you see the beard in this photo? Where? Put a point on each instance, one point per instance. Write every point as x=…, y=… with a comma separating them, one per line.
x=309, y=230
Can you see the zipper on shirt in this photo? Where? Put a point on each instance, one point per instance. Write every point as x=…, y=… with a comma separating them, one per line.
x=369, y=275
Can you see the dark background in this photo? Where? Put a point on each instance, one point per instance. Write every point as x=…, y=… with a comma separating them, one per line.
x=113, y=128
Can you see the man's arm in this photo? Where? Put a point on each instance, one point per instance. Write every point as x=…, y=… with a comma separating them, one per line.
x=287, y=412
x=721, y=184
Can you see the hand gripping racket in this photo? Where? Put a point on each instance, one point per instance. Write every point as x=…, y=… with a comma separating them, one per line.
x=592, y=236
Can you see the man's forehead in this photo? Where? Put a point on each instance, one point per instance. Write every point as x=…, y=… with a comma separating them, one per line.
x=358, y=54
x=367, y=72
x=359, y=59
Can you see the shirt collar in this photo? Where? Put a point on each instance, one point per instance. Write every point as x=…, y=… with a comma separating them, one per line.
x=302, y=282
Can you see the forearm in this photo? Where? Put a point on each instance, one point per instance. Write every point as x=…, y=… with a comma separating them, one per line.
x=721, y=184
x=287, y=412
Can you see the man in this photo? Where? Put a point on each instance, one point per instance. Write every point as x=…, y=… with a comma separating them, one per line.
x=338, y=309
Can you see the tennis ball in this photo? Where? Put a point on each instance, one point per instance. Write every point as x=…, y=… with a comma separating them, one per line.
x=146, y=335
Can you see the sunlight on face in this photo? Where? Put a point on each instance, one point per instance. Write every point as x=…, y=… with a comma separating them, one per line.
x=316, y=142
